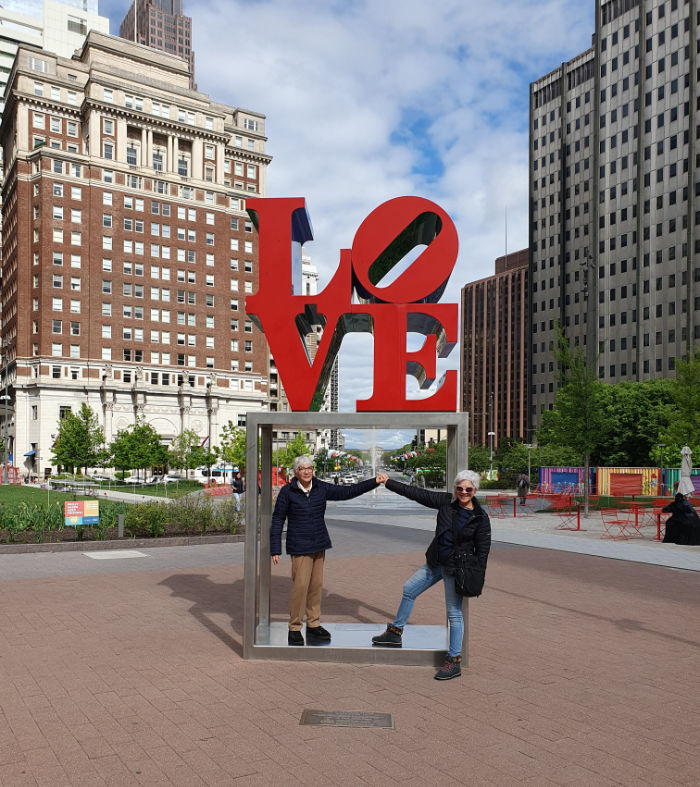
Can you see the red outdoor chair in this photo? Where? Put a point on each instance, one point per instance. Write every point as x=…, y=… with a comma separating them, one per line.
x=621, y=523
x=495, y=506
x=567, y=512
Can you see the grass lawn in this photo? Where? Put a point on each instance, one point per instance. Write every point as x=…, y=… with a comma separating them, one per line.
x=13, y=494
x=172, y=489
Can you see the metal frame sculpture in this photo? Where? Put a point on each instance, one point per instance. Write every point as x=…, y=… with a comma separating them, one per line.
x=268, y=640
x=412, y=230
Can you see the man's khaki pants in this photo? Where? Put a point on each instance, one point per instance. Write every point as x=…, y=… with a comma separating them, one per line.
x=307, y=578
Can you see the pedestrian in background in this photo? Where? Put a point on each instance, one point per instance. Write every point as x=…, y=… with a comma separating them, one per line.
x=523, y=485
x=238, y=488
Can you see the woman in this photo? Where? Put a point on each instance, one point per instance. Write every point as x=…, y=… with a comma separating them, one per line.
x=302, y=502
x=683, y=526
x=238, y=487
x=458, y=512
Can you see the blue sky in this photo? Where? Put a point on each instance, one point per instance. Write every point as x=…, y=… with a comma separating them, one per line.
x=372, y=99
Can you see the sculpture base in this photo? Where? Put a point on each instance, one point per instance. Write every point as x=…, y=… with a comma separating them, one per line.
x=352, y=643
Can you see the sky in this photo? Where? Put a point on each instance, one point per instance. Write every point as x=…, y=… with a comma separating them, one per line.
x=367, y=100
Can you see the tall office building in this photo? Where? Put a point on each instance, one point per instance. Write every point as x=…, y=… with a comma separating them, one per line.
x=58, y=27
x=494, y=352
x=614, y=184
x=127, y=251
x=160, y=24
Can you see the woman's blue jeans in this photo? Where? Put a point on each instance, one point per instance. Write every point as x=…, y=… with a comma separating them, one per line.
x=423, y=579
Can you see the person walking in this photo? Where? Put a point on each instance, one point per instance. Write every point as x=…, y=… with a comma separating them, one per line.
x=238, y=488
x=523, y=486
x=302, y=503
x=459, y=515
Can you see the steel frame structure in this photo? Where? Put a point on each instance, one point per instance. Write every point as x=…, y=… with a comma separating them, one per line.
x=351, y=643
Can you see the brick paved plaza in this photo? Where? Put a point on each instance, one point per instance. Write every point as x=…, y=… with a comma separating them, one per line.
x=584, y=670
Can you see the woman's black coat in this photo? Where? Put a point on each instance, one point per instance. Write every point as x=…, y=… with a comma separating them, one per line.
x=477, y=530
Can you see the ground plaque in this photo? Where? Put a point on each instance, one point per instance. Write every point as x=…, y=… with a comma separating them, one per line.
x=346, y=718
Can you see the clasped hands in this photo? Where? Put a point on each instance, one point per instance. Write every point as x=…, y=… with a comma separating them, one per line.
x=382, y=478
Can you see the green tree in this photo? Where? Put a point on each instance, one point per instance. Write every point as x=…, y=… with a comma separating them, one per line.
x=684, y=414
x=232, y=445
x=578, y=417
x=322, y=462
x=298, y=447
x=478, y=458
x=186, y=451
x=137, y=448
x=636, y=414
x=79, y=440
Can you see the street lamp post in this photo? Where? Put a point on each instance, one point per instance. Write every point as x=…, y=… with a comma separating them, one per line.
x=491, y=436
x=661, y=447
x=529, y=447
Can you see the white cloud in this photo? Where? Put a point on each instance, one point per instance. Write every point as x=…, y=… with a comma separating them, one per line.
x=372, y=99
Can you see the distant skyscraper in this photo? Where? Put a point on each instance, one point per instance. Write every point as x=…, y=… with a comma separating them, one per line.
x=161, y=24
x=58, y=27
x=614, y=187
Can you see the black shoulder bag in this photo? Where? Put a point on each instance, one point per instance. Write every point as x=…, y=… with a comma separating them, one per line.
x=469, y=573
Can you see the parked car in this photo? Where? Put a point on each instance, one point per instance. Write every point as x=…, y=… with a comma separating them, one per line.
x=100, y=477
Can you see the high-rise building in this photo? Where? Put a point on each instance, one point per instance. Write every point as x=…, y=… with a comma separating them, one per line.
x=614, y=179
x=160, y=24
x=494, y=351
x=127, y=251
x=58, y=27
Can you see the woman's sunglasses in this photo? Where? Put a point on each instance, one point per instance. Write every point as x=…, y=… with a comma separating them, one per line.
x=464, y=488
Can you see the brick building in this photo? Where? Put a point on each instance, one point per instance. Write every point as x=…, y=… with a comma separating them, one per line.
x=494, y=351
x=127, y=252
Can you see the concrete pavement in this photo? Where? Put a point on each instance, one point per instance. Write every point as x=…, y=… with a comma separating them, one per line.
x=584, y=670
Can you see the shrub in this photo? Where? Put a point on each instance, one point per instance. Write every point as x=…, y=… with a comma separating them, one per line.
x=146, y=519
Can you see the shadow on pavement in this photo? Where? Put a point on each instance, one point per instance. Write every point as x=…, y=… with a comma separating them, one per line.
x=213, y=598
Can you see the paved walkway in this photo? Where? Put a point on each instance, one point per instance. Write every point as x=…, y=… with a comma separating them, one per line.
x=584, y=670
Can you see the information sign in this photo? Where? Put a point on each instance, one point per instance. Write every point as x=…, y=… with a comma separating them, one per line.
x=81, y=512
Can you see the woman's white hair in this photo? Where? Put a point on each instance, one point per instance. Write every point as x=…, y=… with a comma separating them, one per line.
x=466, y=475
x=302, y=461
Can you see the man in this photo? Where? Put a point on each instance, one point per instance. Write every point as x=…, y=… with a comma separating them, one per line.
x=302, y=503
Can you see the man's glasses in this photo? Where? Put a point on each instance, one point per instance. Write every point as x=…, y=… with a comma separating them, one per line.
x=464, y=488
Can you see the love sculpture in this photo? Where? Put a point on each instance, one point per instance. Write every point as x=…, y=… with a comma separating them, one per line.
x=390, y=313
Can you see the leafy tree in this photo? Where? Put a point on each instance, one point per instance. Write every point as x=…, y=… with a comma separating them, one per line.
x=138, y=447
x=578, y=417
x=684, y=414
x=232, y=445
x=636, y=414
x=478, y=458
x=297, y=447
x=186, y=451
x=79, y=440
x=554, y=456
x=322, y=462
